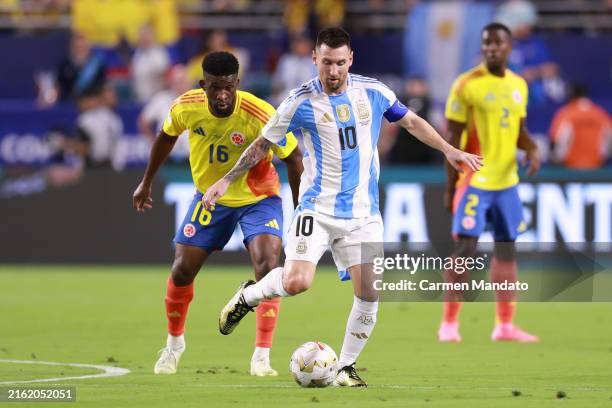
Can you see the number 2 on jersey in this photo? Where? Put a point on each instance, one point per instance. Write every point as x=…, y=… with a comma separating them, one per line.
x=504, y=119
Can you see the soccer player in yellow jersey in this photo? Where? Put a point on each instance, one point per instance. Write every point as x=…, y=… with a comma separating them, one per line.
x=222, y=123
x=486, y=112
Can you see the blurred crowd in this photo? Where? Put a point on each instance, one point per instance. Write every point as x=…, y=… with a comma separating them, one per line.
x=127, y=51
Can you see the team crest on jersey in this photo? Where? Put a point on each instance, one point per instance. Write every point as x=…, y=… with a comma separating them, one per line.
x=468, y=222
x=237, y=138
x=362, y=110
x=189, y=230
x=516, y=95
x=301, y=248
x=344, y=113
x=455, y=106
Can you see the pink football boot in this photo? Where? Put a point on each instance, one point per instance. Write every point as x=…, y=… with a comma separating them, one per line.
x=510, y=332
x=449, y=332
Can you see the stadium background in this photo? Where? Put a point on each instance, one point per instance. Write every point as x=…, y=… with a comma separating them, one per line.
x=62, y=207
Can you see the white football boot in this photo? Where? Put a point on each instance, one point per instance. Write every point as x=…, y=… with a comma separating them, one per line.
x=168, y=361
x=261, y=368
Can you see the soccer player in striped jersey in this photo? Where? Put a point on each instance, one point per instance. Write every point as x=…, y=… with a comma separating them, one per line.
x=340, y=116
x=486, y=112
x=222, y=123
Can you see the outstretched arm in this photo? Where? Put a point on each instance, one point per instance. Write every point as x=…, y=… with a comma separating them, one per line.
x=428, y=135
x=249, y=158
x=295, y=167
x=141, y=199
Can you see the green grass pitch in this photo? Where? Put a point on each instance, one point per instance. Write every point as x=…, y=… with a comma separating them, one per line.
x=115, y=316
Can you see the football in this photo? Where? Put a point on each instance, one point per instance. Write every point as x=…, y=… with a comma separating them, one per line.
x=314, y=364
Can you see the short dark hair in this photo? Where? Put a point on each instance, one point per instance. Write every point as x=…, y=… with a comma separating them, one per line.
x=578, y=90
x=498, y=26
x=333, y=37
x=220, y=63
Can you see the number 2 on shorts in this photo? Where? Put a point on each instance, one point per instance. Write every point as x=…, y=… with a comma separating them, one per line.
x=472, y=202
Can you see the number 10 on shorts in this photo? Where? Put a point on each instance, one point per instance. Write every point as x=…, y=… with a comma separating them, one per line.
x=304, y=226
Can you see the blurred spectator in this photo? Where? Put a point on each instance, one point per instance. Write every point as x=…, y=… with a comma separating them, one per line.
x=441, y=40
x=106, y=22
x=311, y=15
x=397, y=146
x=229, y=5
x=46, y=87
x=155, y=111
x=83, y=71
x=217, y=41
x=62, y=170
x=18, y=11
x=39, y=6
x=530, y=56
x=99, y=129
x=165, y=21
x=149, y=64
x=294, y=68
x=581, y=132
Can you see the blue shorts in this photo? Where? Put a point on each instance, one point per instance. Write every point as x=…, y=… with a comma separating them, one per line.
x=212, y=229
x=501, y=209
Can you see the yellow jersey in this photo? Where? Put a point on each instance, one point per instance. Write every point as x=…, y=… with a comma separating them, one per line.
x=491, y=108
x=215, y=144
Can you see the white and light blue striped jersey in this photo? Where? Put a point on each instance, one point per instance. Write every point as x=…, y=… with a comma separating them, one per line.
x=340, y=132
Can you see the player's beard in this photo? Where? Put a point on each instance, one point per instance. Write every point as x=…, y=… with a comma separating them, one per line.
x=496, y=66
x=334, y=86
x=226, y=111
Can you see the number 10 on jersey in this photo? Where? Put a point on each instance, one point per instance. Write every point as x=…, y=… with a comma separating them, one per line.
x=348, y=137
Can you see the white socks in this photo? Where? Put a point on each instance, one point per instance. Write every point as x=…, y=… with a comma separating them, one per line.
x=269, y=287
x=261, y=354
x=176, y=343
x=359, y=327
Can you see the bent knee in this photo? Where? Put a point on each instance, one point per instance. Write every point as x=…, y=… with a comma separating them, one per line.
x=183, y=274
x=296, y=283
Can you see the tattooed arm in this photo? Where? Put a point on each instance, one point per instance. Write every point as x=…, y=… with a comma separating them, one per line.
x=249, y=158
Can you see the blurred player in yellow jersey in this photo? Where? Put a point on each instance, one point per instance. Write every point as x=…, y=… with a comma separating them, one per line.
x=222, y=123
x=486, y=112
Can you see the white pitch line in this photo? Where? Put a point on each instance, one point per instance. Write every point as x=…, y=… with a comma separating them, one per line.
x=109, y=371
x=399, y=386
x=290, y=386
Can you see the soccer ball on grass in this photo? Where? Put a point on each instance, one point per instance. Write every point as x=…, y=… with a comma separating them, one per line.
x=314, y=364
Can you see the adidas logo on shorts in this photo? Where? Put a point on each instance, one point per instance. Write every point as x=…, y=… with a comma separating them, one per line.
x=273, y=224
